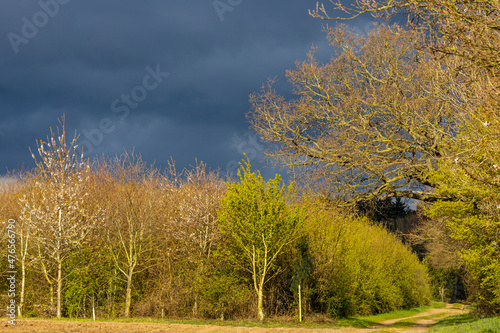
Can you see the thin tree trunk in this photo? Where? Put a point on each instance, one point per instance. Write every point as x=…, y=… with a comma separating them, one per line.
x=23, y=280
x=46, y=274
x=59, y=267
x=128, y=297
x=195, y=307
x=59, y=288
x=260, y=309
x=455, y=289
x=260, y=293
x=51, y=297
x=111, y=292
x=24, y=252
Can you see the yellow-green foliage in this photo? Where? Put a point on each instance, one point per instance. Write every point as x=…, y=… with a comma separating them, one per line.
x=360, y=268
x=480, y=234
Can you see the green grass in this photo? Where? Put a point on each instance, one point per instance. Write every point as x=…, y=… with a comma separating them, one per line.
x=465, y=323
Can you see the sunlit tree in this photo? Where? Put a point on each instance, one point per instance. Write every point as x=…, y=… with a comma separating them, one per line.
x=259, y=221
x=59, y=214
x=134, y=206
x=368, y=123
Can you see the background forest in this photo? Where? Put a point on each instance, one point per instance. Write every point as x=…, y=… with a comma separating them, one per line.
x=400, y=113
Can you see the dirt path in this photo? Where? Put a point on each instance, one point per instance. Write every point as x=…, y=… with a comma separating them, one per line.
x=53, y=326
x=422, y=325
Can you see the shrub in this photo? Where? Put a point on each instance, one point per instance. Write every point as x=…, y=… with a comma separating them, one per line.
x=361, y=269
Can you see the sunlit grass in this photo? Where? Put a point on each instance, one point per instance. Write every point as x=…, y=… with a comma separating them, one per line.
x=465, y=323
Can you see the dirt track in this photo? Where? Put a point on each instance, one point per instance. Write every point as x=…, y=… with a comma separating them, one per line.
x=52, y=326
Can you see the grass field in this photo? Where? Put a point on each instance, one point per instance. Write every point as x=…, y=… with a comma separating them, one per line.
x=467, y=324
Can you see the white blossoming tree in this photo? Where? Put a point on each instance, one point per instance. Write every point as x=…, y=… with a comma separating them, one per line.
x=195, y=225
x=60, y=213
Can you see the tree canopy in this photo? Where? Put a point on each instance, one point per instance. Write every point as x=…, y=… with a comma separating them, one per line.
x=370, y=122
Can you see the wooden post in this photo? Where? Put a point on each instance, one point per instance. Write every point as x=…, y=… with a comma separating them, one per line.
x=300, y=306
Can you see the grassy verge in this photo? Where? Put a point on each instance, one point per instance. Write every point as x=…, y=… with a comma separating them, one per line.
x=465, y=323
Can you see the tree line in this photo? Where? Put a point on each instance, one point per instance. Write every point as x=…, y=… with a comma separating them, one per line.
x=117, y=237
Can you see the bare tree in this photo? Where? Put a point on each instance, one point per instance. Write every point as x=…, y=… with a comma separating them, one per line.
x=466, y=36
x=135, y=203
x=469, y=29
x=197, y=199
x=194, y=225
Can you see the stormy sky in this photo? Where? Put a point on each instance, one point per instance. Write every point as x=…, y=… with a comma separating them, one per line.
x=167, y=79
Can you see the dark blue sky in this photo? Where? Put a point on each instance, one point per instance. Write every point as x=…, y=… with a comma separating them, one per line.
x=104, y=65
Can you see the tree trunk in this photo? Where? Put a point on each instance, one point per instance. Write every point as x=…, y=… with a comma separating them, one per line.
x=49, y=281
x=441, y=292
x=260, y=308
x=128, y=297
x=59, y=267
x=51, y=297
x=455, y=289
x=23, y=280
x=59, y=288
x=24, y=252
x=195, y=307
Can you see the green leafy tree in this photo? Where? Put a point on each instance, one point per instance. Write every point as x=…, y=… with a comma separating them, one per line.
x=464, y=37
x=259, y=221
x=473, y=220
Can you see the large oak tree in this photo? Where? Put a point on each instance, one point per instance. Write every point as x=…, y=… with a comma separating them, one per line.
x=371, y=122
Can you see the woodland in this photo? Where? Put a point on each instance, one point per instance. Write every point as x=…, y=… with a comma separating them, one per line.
x=391, y=195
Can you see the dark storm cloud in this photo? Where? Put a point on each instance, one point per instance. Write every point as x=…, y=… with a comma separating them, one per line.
x=85, y=55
